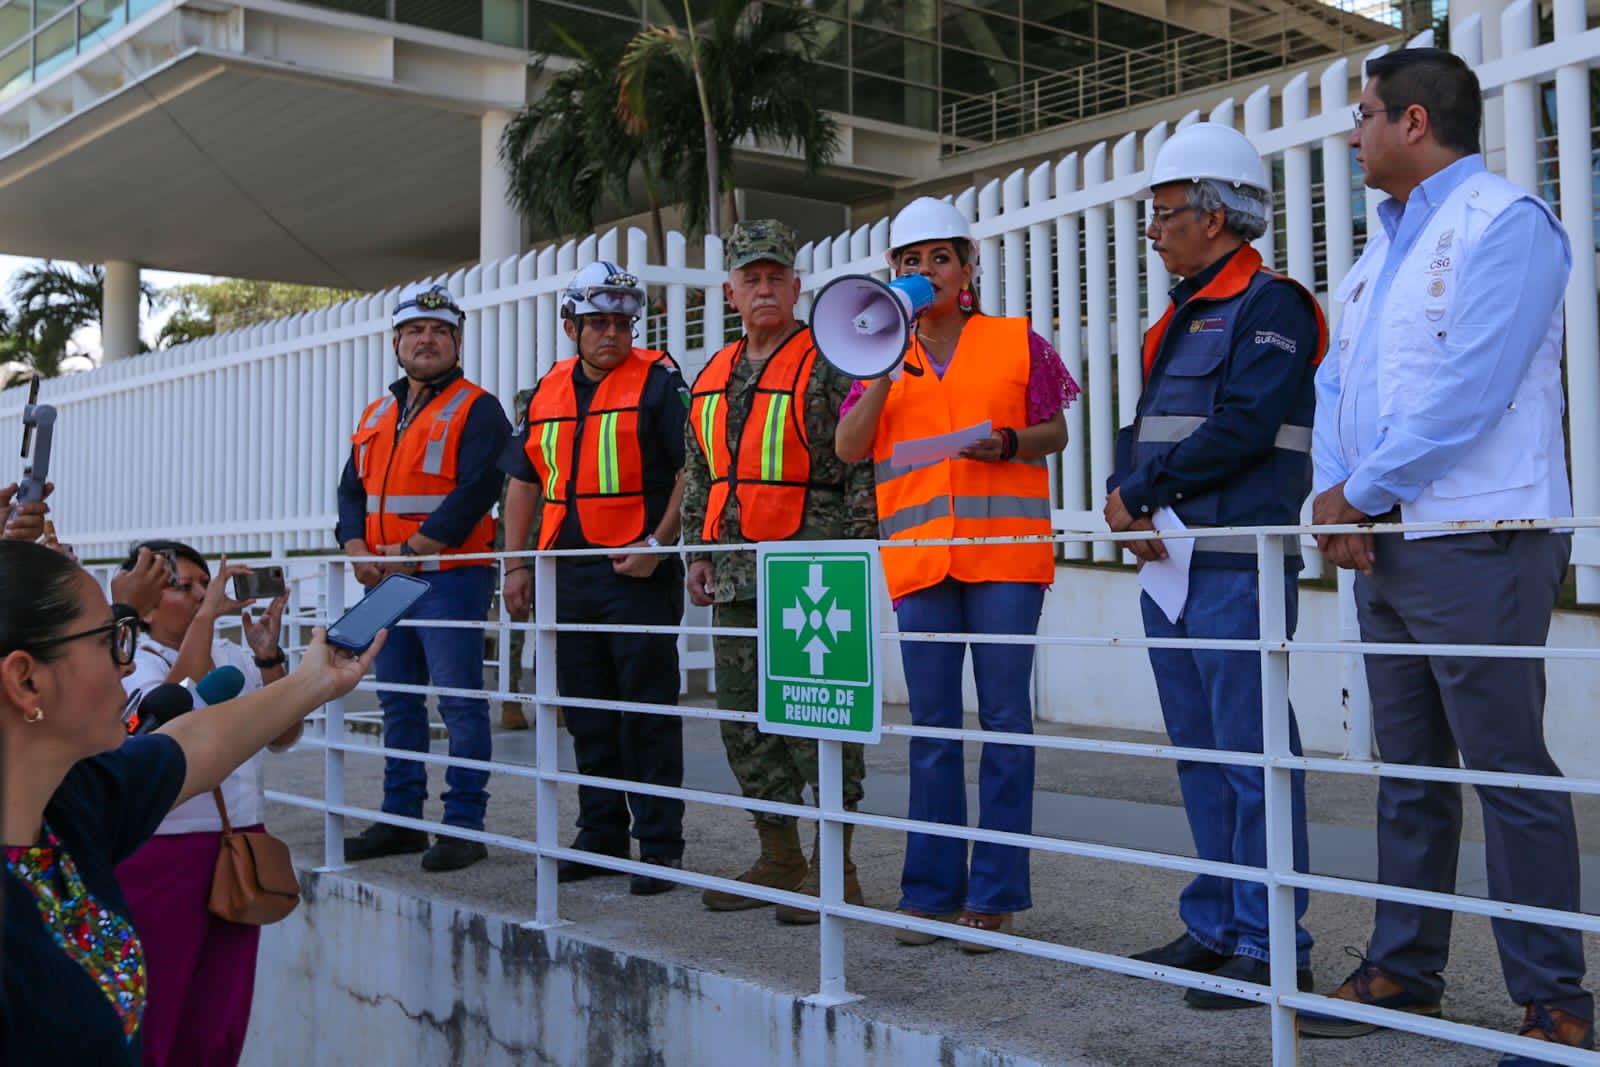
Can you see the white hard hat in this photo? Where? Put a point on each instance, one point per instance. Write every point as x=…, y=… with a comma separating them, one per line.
x=1208, y=150
x=928, y=219
x=425, y=301
x=602, y=288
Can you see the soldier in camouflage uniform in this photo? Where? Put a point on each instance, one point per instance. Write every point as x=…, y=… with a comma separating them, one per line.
x=511, y=713
x=780, y=480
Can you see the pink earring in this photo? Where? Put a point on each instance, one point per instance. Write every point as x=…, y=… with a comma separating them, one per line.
x=964, y=301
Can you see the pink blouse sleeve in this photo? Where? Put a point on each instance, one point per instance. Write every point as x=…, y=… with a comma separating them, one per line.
x=1050, y=386
x=854, y=395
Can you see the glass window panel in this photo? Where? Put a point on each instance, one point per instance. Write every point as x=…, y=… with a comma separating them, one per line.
x=916, y=17
x=833, y=42
x=1074, y=16
x=894, y=56
x=593, y=32
x=55, y=44
x=99, y=16
x=1055, y=52
x=16, y=71
x=830, y=88
x=976, y=31
x=378, y=9
x=1127, y=30
x=15, y=23
x=48, y=9
x=908, y=105
x=465, y=20
x=964, y=72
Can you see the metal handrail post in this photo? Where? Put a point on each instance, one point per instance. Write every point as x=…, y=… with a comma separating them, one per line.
x=547, y=809
x=830, y=854
x=1278, y=785
x=333, y=731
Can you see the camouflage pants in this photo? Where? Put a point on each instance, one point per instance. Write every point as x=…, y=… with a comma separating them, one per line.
x=768, y=766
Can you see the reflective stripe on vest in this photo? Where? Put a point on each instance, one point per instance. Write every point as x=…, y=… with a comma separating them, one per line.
x=593, y=463
x=433, y=455
x=986, y=379
x=407, y=474
x=768, y=472
x=1163, y=429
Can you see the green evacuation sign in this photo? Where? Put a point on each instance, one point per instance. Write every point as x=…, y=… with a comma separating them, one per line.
x=818, y=639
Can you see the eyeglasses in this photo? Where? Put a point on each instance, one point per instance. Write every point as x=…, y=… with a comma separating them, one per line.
x=124, y=628
x=603, y=322
x=1160, y=216
x=1360, y=115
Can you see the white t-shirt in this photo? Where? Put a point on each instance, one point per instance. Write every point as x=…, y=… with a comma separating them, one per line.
x=241, y=790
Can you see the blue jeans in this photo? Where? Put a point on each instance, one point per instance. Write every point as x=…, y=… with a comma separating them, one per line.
x=446, y=657
x=935, y=877
x=1211, y=698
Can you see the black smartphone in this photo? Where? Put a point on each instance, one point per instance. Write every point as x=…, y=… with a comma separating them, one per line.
x=262, y=583
x=384, y=605
x=170, y=558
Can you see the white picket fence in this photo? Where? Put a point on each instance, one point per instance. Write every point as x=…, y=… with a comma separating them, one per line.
x=236, y=442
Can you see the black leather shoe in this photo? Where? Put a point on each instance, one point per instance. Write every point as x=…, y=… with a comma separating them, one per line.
x=381, y=839
x=1240, y=969
x=1185, y=952
x=453, y=853
x=577, y=871
x=646, y=885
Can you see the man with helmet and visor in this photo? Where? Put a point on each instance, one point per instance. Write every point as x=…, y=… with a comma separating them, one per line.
x=421, y=481
x=597, y=463
x=1222, y=437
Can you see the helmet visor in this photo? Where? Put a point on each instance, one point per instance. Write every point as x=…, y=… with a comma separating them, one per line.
x=611, y=300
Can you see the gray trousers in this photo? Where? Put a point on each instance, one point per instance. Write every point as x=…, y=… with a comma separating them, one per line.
x=1488, y=589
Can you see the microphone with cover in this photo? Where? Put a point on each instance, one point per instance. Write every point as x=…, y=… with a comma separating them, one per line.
x=171, y=699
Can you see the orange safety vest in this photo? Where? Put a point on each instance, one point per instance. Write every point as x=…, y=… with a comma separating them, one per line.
x=602, y=447
x=407, y=474
x=987, y=378
x=771, y=466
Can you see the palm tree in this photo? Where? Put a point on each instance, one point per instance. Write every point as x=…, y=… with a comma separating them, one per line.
x=53, y=302
x=570, y=149
x=746, y=70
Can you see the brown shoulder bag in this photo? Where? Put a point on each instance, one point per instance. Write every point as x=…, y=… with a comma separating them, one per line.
x=254, y=880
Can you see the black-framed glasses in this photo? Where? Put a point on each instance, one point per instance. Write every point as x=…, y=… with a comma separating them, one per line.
x=1360, y=115
x=124, y=628
x=1160, y=216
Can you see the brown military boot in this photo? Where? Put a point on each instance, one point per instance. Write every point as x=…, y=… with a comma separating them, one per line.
x=812, y=885
x=781, y=865
x=511, y=716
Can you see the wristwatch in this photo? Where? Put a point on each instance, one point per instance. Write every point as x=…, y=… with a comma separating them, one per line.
x=406, y=549
x=277, y=659
x=652, y=542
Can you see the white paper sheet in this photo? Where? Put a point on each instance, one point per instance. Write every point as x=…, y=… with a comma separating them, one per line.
x=940, y=446
x=1167, y=580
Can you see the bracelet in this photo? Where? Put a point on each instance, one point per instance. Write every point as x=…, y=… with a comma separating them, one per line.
x=512, y=570
x=277, y=659
x=1009, y=449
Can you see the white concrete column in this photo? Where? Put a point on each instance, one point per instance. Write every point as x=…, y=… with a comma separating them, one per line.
x=119, y=311
x=499, y=225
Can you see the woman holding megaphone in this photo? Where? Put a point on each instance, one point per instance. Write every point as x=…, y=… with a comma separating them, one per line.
x=997, y=378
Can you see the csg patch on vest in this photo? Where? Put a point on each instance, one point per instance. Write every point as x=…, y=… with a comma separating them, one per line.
x=1215, y=324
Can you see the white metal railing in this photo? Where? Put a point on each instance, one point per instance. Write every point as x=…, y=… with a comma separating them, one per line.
x=320, y=589
x=263, y=414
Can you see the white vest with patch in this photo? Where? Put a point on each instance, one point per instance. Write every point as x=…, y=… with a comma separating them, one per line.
x=1517, y=469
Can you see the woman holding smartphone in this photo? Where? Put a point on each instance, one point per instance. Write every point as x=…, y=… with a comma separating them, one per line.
x=201, y=968
x=80, y=797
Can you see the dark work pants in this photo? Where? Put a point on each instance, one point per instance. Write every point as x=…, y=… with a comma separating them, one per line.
x=1488, y=589
x=641, y=668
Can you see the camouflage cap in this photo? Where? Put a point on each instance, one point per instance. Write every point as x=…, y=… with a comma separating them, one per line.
x=757, y=239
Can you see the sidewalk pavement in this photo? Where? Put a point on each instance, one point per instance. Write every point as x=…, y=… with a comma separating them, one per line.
x=1047, y=1011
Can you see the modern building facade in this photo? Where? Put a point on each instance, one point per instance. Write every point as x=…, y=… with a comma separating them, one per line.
x=353, y=142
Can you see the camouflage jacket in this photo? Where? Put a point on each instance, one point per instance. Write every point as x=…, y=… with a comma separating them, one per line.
x=850, y=513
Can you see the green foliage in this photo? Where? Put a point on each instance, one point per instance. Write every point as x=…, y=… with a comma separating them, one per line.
x=53, y=301
x=205, y=308
x=743, y=74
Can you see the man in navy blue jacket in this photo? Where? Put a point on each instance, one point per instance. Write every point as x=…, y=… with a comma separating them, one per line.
x=1222, y=438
